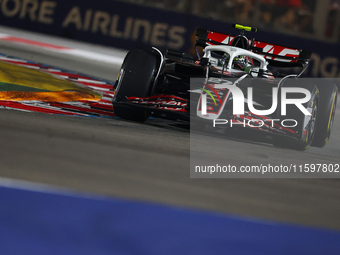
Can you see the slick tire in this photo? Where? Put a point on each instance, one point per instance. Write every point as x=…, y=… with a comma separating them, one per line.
x=307, y=136
x=135, y=79
x=326, y=115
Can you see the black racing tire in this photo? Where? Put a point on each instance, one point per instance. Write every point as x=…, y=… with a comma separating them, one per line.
x=326, y=115
x=305, y=142
x=135, y=79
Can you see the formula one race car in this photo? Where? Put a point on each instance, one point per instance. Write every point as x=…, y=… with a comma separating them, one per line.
x=236, y=86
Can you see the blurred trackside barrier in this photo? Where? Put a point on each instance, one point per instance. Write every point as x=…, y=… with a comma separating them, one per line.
x=36, y=222
x=125, y=25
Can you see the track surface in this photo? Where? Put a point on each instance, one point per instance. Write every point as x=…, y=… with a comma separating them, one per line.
x=150, y=162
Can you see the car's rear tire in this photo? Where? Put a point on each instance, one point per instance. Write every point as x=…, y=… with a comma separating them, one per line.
x=308, y=135
x=135, y=79
x=326, y=115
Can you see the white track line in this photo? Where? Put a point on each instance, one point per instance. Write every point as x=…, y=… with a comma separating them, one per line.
x=47, y=189
x=90, y=55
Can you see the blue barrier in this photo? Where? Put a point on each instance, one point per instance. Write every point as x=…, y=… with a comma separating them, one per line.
x=125, y=25
x=32, y=222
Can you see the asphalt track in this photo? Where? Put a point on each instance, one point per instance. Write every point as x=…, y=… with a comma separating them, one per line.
x=150, y=162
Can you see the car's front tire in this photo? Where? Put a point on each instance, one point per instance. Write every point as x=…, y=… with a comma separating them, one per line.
x=135, y=79
x=306, y=135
